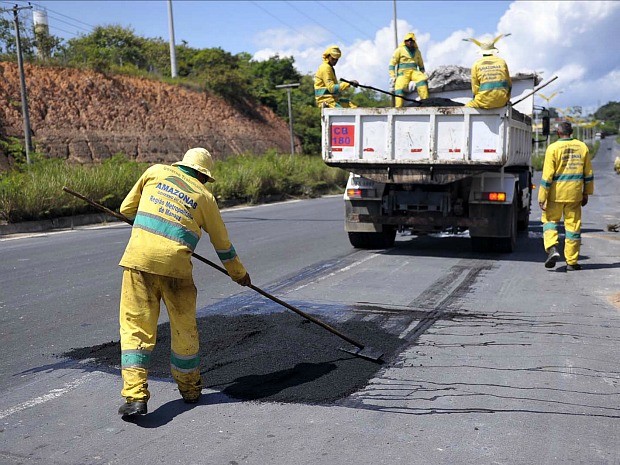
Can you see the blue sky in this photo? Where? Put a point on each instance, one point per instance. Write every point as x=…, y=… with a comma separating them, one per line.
x=575, y=40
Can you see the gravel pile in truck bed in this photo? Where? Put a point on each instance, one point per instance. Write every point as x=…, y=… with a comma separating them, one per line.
x=278, y=357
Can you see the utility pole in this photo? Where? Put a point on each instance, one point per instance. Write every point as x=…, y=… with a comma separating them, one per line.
x=22, y=80
x=288, y=88
x=173, y=55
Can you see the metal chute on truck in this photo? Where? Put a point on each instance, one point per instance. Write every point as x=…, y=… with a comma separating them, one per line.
x=434, y=168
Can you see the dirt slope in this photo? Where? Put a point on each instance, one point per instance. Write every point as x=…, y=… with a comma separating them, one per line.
x=85, y=116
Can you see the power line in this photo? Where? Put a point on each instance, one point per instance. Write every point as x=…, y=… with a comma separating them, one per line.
x=344, y=20
x=355, y=11
x=315, y=22
x=64, y=16
x=286, y=24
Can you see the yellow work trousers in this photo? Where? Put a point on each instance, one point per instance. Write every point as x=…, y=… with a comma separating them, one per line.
x=139, y=311
x=572, y=226
x=402, y=83
x=494, y=98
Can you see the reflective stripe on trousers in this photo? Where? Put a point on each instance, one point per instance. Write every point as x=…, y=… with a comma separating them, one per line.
x=139, y=311
x=572, y=225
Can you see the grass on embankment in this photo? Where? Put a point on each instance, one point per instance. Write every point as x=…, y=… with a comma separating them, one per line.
x=34, y=191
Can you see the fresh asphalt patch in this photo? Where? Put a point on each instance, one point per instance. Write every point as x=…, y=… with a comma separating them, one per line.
x=276, y=357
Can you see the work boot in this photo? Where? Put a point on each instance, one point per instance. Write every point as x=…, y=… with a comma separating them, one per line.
x=573, y=267
x=132, y=408
x=191, y=398
x=552, y=257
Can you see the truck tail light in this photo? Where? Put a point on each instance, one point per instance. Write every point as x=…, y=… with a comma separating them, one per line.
x=493, y=196
x=356, y=193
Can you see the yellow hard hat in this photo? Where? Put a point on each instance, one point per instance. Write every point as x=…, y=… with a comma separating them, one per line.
x=409, y=35
x=333, y=51
x=198, y=159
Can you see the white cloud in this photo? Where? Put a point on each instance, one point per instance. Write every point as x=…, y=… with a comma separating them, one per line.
x=571, y=39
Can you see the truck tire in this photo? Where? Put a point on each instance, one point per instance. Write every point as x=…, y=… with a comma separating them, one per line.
x=508, y=244
x=523, y=221
x=373, y=240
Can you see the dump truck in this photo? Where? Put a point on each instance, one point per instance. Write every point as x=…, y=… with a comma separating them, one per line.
x=429, y=169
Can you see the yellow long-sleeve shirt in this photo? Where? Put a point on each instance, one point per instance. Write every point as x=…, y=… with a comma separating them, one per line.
x=327, y=89
x=490, y=83
x=403, y=59
x=567, y=172
x=170, y=209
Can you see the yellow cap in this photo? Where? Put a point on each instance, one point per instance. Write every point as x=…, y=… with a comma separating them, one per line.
x=333, y=51
x=198, y=159
x=409, y=35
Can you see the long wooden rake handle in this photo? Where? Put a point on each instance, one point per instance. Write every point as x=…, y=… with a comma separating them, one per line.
x=222, y=270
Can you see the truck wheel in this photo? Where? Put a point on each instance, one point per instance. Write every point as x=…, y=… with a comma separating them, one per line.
x=481, y=244
x=524, y=220
x=508, y=244
x=373, y=240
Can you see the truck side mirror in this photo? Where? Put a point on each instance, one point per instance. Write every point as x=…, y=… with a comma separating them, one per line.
x=545, y=126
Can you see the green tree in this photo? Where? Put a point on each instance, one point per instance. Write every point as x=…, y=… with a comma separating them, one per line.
x=108, y=46
x=610, y=115
x=8, y=44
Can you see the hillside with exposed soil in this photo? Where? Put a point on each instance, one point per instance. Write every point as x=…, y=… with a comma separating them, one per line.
x=85, y=116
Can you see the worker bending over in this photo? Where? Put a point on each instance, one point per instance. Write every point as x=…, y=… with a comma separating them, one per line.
x=169, y=206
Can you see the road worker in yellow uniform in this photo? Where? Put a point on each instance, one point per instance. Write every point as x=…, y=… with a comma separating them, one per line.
x=567, y=181
x=169, y=206
x=327, y=89
x=490, y=78
x=407, y=66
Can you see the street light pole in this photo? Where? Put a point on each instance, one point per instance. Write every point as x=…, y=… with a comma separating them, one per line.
x=173, y=55
x=288, y=88
x=22, y=81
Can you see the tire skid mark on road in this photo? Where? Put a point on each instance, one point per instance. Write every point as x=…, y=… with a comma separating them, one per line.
x=51, y=395
x=443, y=296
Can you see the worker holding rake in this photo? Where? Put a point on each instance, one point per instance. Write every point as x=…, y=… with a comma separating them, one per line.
x=169, y=206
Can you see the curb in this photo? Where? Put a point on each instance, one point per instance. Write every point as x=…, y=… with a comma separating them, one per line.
x=66, y=222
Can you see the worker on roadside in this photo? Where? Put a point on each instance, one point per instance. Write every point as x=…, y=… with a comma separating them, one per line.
x=327, y=89
x=407, y=66
x=490, y=78
x=567, y=181
x=169, y=206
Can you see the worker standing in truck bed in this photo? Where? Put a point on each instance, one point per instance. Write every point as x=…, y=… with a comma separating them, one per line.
x=407, y=66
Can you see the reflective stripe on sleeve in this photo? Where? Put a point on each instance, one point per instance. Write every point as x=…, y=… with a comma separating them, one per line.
x=226, y=255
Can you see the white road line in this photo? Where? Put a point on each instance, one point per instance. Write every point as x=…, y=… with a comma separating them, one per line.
x=51, y=395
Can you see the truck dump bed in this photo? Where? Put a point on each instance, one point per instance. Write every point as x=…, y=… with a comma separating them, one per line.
x=450, y=138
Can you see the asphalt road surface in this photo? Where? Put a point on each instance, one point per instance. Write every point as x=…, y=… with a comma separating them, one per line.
x=503, y=361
